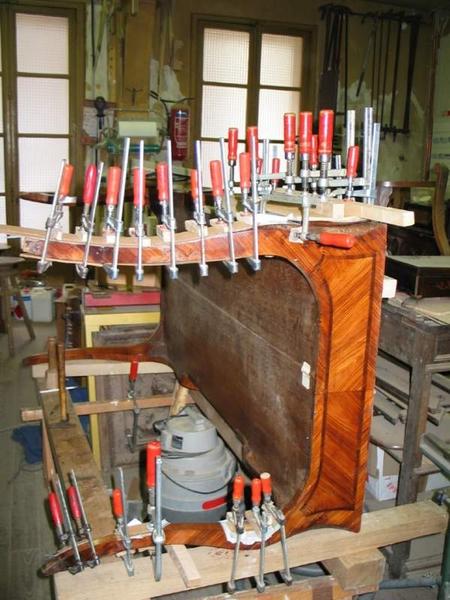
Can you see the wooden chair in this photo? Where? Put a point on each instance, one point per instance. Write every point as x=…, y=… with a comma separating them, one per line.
x=398, y=195
x=9, y=287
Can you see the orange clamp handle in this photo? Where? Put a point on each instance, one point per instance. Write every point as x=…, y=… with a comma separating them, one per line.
x=55, y=509
x=340, y=240
x=232, y=143
x=162, y=181
x=134, y=367
x=194, y=184
x=289, y=132
x=326, y=118
x=215, y=167
x=138, y=184
x=244, y=170
x=90, y=179
x=275, y=165
x=73, y=501
x=117, y=503
x=238, y=488
x=66, y=180
x=352, y=161
x=153, y=450
x=266, y=483
x=259, y=166
x=256, y=491
x=314, y=149
x=305, y=123
x=252, y=132
x=113, y=185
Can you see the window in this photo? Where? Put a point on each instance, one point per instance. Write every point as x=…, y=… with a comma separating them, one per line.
x=2, y=157
x=42, y=101
x=248, y=74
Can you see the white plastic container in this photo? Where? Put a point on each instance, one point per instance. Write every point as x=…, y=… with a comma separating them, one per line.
x=26, y=297
x=42, y=305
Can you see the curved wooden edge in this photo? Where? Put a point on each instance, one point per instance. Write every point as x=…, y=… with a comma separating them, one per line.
x=438, y=209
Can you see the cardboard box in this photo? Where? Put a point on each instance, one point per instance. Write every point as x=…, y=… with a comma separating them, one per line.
x=383, y=470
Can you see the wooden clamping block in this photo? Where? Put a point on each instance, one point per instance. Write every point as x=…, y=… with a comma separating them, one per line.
x=184, y=563
x=310, y=589
x=362, y=571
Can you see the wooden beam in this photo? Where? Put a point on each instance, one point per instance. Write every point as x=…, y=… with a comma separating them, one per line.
x=183, y=561
x=380, y=528
x=111, y=406
x=326, y=588
x=91, y=367
x=71, y=450
x=362, y=571
x=382, y=214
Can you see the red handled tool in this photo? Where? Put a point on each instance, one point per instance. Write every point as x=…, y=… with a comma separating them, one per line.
x=305, y=123
x=275, y=170
x=325, y=149
x=252, y=133
x=112, y=195
x=131, y=395
x=79, y=514
x=244, y=171
x=233, y=135
x=92, y=190
x=62, y=190
x=289, y=148
x=269, y=508
x=338, y=239
x=238, y=520
x=90, y=180
x=74, y=507
x=261, y=522
x=139, y=202
x=164, y=176
x=119, y=506
x=199, y=213
x=57, y=486
x=154, y=480
x=226, y=212
x=352, y=168
x=57, y=518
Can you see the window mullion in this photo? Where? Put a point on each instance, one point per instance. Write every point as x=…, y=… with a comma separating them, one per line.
x=253, y=76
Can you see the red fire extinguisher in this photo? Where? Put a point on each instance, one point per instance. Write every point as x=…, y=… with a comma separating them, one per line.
x=179, y=132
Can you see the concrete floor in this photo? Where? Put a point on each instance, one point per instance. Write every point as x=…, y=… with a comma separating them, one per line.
x=25, y=534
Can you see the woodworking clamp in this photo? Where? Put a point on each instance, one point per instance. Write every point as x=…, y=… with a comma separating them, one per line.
x=238, y=520
x=119, y=503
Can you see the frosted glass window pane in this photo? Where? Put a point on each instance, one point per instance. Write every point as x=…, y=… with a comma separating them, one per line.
x=211, y=151
x=281, y=60
x=1, y=105
x=35, y=214
x=2, y=167
x=3, y=239
x=43, y=105
x=42, y=44
x=223, y=107
x=272, y=106
x=225, y=56
x=40, y=162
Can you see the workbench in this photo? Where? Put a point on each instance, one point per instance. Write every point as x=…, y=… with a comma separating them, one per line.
x=423, y=344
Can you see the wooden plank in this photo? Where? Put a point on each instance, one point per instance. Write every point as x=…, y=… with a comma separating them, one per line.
x=182, y=559
x=361, y=571
x=48, y=465
x=380, y=528
x=310, y=589
x=111, y=406
x=382, y=214
x=92, y=367
x=70, y=450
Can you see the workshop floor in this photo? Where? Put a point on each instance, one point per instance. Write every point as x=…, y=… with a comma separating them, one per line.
x=25, y=533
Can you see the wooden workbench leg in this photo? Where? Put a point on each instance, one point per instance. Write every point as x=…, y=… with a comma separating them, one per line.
x=26, y=318
x=6, y=304
x=416, y=420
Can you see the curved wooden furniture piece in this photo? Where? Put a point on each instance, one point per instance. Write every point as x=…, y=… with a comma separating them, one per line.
x=286, y=356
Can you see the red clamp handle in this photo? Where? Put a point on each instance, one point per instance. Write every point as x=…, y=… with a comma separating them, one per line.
x=326, y=118
x=134, y=367
x=256, y=491
x=352, y=161
x=305, y=132
x=138, y=184
x=66, y=180
x=153, y=450
x=73, y=501
x=162, y=181
x=266, y=484
x=90, y=179
x=252, y=132
x=113, y=185
x=314, y=160
x=55, y=509
x=215, y=167
x=232, y=144
x=289, y=132
x=275, y=165
x=259, y=166
x=238, y=488
x=244, y=170
x=194, y=184
x=340, y=240
x=117, y=503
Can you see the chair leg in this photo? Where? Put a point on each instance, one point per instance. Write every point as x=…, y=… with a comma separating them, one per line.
x=6, y=303
x=26, y=318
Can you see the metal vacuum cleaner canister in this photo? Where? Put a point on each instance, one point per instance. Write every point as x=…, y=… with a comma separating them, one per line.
x=197, y=468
